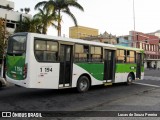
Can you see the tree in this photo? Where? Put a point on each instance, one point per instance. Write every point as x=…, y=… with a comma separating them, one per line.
x=21, y=9
x=3, y=37
x=46, y=19
x=27, y=10
x=61, y=6
x=29, y=25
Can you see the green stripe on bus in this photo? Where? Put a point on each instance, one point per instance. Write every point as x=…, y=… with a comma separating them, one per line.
x=126, y=68
x=15, y=66
x=95, y=69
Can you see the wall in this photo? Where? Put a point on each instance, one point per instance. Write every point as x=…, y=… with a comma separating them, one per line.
x=6, y=3
x=81, y=32
x=12, y=18
x=124, y=42
x=150, y=44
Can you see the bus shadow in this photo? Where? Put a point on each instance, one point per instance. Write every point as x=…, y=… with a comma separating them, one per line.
x=24, y=93
x=114, y=85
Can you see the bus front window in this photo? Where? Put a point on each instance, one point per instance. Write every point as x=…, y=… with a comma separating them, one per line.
x=16, y=45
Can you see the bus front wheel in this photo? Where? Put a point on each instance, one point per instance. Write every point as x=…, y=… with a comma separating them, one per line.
x=129, y=79
x=83, y=84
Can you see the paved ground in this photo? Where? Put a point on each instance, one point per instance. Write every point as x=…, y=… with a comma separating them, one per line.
x=144, y=95
x=152, y=72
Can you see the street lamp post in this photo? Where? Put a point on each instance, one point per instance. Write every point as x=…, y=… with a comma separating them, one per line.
x=134, y=24
x=134, y=16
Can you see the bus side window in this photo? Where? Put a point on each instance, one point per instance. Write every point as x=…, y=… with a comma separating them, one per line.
x=39, y=55
x=52, y=51
x=96, y=54
x=76, y=57
x=120, y=56
x=50, y=56
x=81, y=53
x=130, y=56
x=46, y=51
x=83, y=57
x=127, y=56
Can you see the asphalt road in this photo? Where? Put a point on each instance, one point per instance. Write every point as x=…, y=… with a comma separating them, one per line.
x=143, y=95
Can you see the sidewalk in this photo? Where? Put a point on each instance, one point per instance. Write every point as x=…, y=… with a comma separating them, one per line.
x=151, y=78
x=151, y=74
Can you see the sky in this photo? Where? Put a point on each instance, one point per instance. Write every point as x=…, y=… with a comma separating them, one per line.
x=113, y=16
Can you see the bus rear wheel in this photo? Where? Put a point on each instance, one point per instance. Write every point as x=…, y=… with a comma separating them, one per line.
x=129, y=79
x=83, y=84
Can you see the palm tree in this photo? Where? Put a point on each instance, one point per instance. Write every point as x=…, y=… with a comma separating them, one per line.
x=21, y=9
x=27, y=10
x=29, y=25
x=61, y=6
x=46, y=19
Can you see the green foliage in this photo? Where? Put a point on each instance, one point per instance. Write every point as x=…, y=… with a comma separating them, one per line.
x=1, y=38
x=47, y=16
x=39, y=23
x=46, y=19
x=29, y=25
x=59, y=6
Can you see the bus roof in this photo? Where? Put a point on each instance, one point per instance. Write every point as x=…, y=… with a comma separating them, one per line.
x=128, y=48
x=66, y=39
x=78, y=41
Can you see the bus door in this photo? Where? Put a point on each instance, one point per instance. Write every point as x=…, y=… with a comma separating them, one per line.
x=66, y=61
x=109, y=65
x=138, y=69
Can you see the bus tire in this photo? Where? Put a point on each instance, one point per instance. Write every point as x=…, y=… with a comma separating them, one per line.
x=83, y=84
x=129, y=79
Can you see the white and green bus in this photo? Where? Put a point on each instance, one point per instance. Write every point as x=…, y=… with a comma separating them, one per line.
x=41, y=61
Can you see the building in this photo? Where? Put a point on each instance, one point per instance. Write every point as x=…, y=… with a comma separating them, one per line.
x=124, y=41
x=150, y=43
x=105, y=38
x=12, y=17
x=81, y=32
x=156, y=33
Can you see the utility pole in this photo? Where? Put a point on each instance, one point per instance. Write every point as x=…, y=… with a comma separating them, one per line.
x=134, y=16
x=134, y=24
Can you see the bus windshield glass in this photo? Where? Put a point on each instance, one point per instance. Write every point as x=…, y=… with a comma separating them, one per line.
x=16, y=45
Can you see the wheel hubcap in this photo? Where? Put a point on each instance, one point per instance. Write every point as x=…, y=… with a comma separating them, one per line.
x=83, y=85
x=129, y=79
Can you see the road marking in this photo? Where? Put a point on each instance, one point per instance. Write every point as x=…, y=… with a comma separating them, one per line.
x=147, y=84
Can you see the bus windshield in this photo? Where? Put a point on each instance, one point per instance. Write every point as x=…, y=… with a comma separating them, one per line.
x=16, y=45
